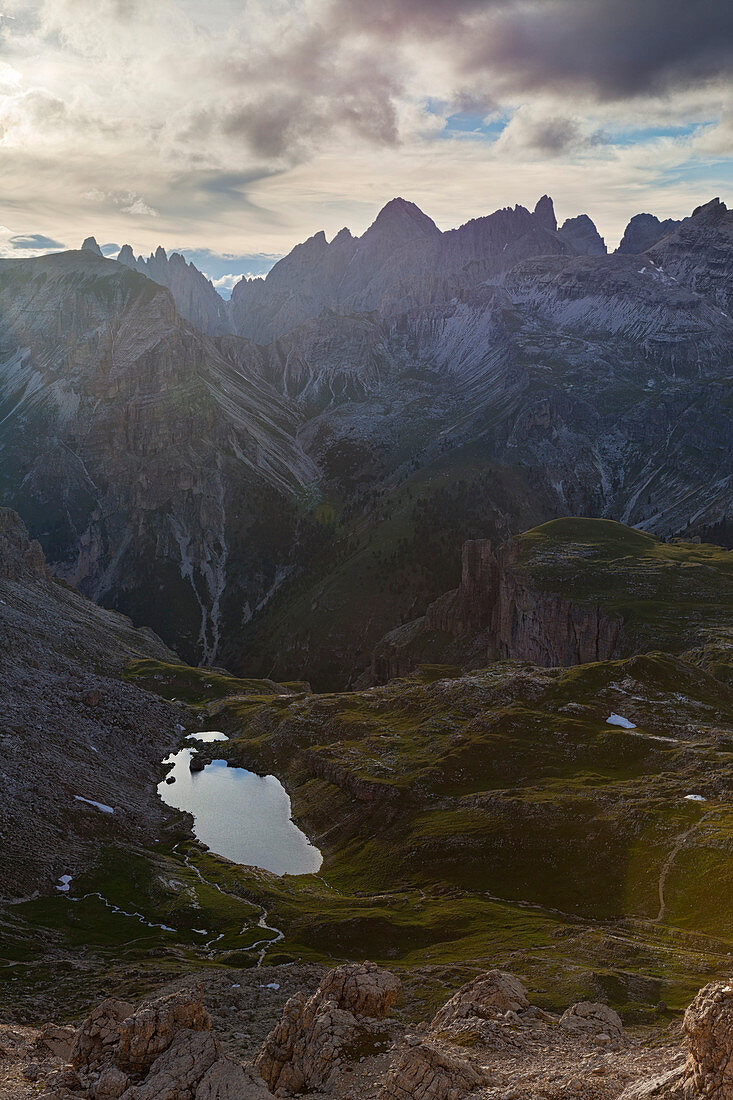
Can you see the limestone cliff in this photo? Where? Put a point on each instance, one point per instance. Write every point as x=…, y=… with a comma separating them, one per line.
x=499, y=612
x=497, y=596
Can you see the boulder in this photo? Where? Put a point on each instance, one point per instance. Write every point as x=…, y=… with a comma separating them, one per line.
x=362, y=989
x=178, y=1069
x=98, y=1036
x=309, y=1047
x=110, y=1084
x=709, y=1029
x=427, y=1072
x=485, y=997
x=57, y=1041
x=148, y=1032
x=588, y=1018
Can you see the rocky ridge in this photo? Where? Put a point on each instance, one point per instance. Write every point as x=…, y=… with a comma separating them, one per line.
x=551, y=596
x=136, y=453
x=195, y=297
x=74, y=738
x=227, y=488
x=487, y=1042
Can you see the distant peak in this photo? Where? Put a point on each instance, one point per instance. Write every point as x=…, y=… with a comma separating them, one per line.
x=714, y=209
x=342, y=235
x=126, y=256
x=90, y=245
x=160, y=254
x=313, y=245
x=544, y=212
x=581, y=233
x=405, y=215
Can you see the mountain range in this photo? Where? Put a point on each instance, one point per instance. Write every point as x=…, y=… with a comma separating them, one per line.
x=278, y=481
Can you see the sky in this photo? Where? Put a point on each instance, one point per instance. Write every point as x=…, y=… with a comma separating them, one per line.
x=233, y=129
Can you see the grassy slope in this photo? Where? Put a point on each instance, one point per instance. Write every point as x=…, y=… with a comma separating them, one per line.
x=472, y=821
x=671, y=595
x=383, y=559
x=466, y=821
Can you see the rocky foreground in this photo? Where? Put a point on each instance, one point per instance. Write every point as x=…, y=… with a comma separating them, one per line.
x=488, y=1041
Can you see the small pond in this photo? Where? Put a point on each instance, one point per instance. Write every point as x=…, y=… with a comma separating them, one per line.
x=238, y=814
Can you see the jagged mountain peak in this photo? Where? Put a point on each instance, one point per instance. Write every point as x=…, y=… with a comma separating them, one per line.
x=544, y=212
x=342, y=235
x=644, y=231
x=581, y=233
x=404, y=216
x=90, y=245
x=711, y=211
x=195, y=297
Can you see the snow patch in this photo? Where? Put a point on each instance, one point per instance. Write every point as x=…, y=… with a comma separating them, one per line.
x=97, y=805
x=619, y=720
x=65, y=881
x=695, y=798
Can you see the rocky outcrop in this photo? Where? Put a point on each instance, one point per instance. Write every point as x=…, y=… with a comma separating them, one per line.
x=97, y=1038
x=494, y=992
x=163, y=1051
x=309, y=1047
x=581, y=234
x=21, y=558
x=498, y=605
x=428, y=1072
x=178, y=1057
x=709, y=1030
x=643, y=232
x=145, y=1034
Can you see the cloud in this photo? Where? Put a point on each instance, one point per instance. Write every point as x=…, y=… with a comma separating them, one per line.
x=246, y=127
x=139, y=206
x=614, y=49
x=33, y=241
x=126, y=201
x=226, y=283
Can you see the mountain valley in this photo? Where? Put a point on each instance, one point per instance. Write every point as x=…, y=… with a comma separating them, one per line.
x=433, y=527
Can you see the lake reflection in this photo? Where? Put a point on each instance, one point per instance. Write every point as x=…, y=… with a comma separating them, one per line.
x=240, y=815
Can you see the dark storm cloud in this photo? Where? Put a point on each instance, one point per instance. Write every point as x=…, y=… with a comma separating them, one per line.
x=616, y=49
